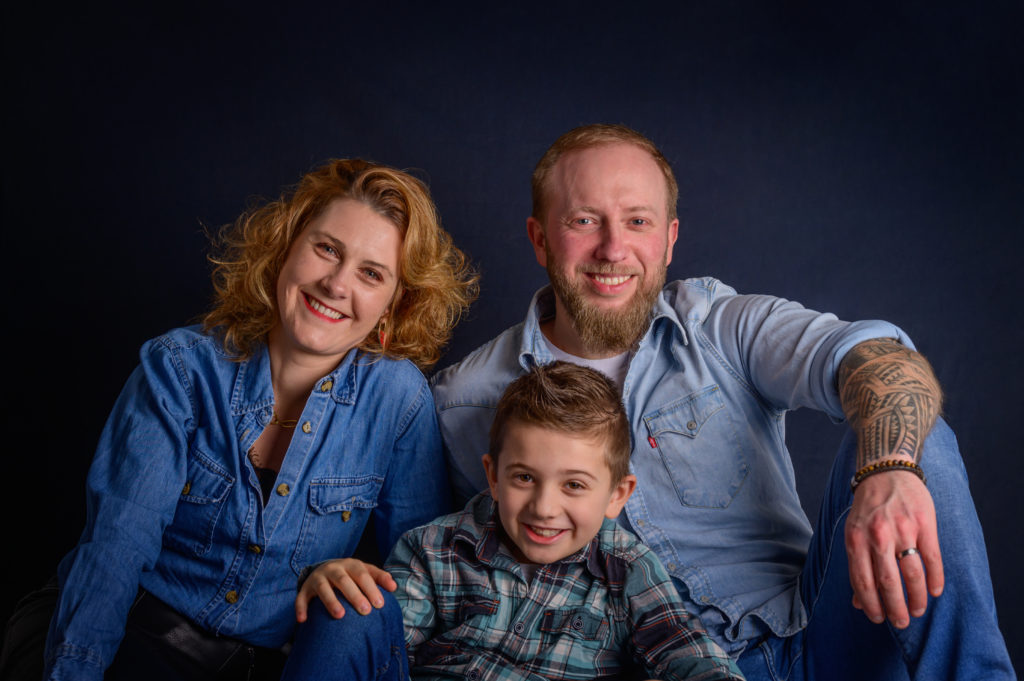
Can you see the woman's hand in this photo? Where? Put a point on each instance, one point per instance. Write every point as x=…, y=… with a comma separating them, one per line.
x=357, y=581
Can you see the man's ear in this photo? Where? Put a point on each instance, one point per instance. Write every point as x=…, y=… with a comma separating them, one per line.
x=621, y=492
x=673, y=234
x=539, y=240
x=491, y=470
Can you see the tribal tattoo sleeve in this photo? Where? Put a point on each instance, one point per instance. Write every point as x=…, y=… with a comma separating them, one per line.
x=891, y=398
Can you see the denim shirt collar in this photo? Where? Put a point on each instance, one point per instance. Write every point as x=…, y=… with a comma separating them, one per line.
x=534, y=350
x=253, y=390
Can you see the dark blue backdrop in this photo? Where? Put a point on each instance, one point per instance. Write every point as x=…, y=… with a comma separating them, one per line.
x=867, y=160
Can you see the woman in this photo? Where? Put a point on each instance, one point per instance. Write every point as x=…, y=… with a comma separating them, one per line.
x=244, y=451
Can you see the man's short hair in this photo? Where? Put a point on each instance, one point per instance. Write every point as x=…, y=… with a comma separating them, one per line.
x=568, y=398
x=595, y=135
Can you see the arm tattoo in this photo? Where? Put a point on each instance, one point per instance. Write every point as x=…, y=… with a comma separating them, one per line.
x=891, y=398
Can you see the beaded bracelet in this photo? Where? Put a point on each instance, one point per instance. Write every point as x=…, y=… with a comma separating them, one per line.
x=887, y=465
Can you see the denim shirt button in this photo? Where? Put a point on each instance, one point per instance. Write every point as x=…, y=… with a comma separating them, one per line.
x=345, y=515
x=704, y=599
x=231, y=596
x=692, y=425
x=326, y=385
x=283, y=489
x=255, y=548
x=307, y=427
x=186, y=489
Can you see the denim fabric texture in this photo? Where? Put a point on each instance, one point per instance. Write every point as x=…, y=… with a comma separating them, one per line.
x=174, y=504
x=606, y=611
x=356, y=647
x=958, y=636
x=706, y=394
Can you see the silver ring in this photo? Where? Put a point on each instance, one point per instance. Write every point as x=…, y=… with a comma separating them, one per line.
x=903, y=554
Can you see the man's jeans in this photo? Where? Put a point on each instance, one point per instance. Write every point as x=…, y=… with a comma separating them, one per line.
x=957, y=637
x=356, y=647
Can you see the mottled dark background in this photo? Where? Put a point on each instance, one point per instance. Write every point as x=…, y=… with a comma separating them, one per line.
x=862, y=158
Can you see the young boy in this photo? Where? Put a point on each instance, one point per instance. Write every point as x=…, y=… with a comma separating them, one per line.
x=535, y=579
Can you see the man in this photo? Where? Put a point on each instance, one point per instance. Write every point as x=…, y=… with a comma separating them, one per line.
x=707, y=376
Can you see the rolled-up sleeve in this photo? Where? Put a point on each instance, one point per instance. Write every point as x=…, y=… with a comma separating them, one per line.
x=786, y=353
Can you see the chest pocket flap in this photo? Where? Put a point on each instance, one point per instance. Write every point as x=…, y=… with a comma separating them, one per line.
x=577, y=622
x=332, y=495
x=698, y=442
x=199, y=505
x=687, y=416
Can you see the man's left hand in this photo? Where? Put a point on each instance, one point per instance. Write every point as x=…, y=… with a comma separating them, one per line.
x=892, y=513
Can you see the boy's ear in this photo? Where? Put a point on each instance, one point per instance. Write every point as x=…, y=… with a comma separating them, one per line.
x=491, y=470
x=620, y=495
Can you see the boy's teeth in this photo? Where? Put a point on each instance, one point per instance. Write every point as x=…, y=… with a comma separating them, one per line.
x=545, y=532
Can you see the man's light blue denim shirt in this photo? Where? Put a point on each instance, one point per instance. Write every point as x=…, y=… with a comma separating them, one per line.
x=174, y=504
x=706, y=393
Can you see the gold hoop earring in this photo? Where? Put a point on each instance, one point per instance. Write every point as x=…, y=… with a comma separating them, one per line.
x=382, y=334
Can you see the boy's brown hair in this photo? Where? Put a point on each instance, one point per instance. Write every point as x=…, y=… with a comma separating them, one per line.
x=569, y=398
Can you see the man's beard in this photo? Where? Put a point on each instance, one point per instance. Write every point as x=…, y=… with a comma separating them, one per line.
x=607, y=331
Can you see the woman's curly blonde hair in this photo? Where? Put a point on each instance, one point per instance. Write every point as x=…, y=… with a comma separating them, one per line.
x=436, y=283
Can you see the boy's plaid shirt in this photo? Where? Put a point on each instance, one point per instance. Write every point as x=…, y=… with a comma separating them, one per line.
x=605, y=611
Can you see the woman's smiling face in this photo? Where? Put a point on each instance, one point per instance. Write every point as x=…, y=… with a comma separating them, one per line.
x=338, y=280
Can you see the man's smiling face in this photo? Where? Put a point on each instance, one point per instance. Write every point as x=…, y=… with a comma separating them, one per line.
x=606, y=242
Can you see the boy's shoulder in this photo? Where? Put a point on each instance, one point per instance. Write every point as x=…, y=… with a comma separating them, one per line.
x=467, y=526
x=616, y=544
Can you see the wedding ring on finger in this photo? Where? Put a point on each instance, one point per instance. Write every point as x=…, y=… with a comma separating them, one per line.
x=908, y=552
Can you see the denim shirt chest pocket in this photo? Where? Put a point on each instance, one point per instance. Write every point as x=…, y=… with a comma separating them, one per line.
x=199, y=506
x=334, y=518
x=697, y=440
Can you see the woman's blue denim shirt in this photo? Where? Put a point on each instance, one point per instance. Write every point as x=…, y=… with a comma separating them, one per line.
x=174, y=504
x=706, y=393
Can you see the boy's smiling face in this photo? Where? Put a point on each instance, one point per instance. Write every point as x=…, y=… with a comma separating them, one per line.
x=553, y=490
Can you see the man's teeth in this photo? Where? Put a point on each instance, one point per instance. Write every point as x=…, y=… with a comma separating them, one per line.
x=323, y=309
x=611, y=281
x=544, y=532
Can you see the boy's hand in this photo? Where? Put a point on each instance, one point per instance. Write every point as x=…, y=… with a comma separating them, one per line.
x=357, y=581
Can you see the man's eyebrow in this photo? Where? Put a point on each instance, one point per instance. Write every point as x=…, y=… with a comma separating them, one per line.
x=639, y=208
